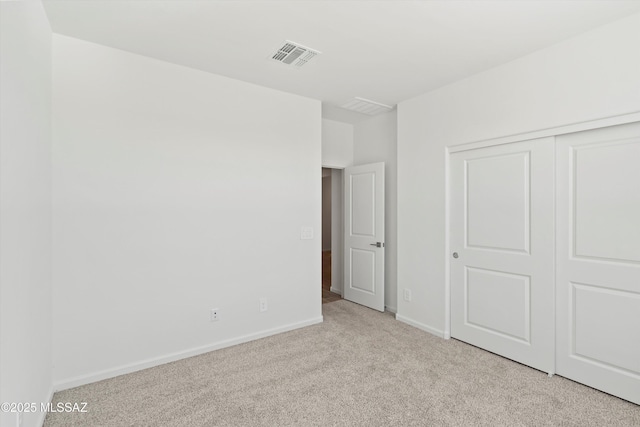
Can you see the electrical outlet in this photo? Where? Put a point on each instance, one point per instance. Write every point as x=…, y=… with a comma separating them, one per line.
x=407, y=294
x=263, y=305
x=215, y=314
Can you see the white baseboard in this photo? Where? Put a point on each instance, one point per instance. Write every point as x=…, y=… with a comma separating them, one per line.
x=393, y=310
x=336, y=290
x=422, y=326
x=149, y=363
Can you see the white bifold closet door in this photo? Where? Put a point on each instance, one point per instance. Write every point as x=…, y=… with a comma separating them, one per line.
x=502, y=239
x=598, y=259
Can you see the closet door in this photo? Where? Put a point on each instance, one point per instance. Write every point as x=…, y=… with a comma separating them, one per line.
x=598, y=259
x=502, y=277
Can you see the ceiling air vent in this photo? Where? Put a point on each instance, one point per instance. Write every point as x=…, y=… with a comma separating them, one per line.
x=291, y=53
x=366, y=106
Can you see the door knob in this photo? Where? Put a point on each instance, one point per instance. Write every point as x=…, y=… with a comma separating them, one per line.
x=377, y=244
x=455, y=254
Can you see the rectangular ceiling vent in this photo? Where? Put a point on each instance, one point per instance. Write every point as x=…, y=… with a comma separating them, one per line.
x=292, y=53
x=366, y=106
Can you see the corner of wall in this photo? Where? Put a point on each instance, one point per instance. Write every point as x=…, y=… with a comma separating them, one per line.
x=25, y=217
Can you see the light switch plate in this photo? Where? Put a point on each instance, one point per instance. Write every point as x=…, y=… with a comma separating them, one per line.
x=306, y=233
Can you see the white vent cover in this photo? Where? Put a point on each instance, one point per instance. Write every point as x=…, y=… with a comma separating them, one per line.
x=292, y=53
x=366, y=106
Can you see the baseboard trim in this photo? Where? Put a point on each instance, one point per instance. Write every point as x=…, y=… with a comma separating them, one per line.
x=422, y=326
x=172, y=357
x=393, y=310
x=336, y=290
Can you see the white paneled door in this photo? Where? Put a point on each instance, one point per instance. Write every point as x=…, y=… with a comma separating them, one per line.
x=364, y=235
x=501, y=241
x=598, y=259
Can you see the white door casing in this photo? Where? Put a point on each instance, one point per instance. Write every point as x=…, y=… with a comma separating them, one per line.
x=501, y=231
x=598, y=259
x=364, y=235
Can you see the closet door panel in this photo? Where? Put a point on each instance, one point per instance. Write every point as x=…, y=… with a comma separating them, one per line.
x=502, y=277
x=598, y=259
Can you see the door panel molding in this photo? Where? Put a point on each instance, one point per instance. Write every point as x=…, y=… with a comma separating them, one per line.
x=367, y=270
x=604, y=212
x=493, y=321
x=516, y=240
x=363, y=207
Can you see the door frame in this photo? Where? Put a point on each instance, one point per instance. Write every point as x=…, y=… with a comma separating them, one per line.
x=340, y=243
x=342, y=239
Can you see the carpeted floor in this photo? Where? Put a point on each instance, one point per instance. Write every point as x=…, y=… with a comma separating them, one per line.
x=358, y=368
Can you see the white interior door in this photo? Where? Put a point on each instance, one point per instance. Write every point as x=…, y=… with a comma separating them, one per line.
x=502, y=272
x=598, y=259
x=364, y=235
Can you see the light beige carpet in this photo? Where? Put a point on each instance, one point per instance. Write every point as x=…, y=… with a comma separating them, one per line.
x=358, y=368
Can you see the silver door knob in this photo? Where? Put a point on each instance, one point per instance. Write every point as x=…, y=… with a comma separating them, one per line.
x=377, y=244
x=455, y=254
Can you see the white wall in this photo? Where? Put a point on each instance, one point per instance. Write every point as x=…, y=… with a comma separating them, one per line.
x=592, y=76
x=337, y=144
x=375, y=140
x=25, y=208
x=175, y=191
